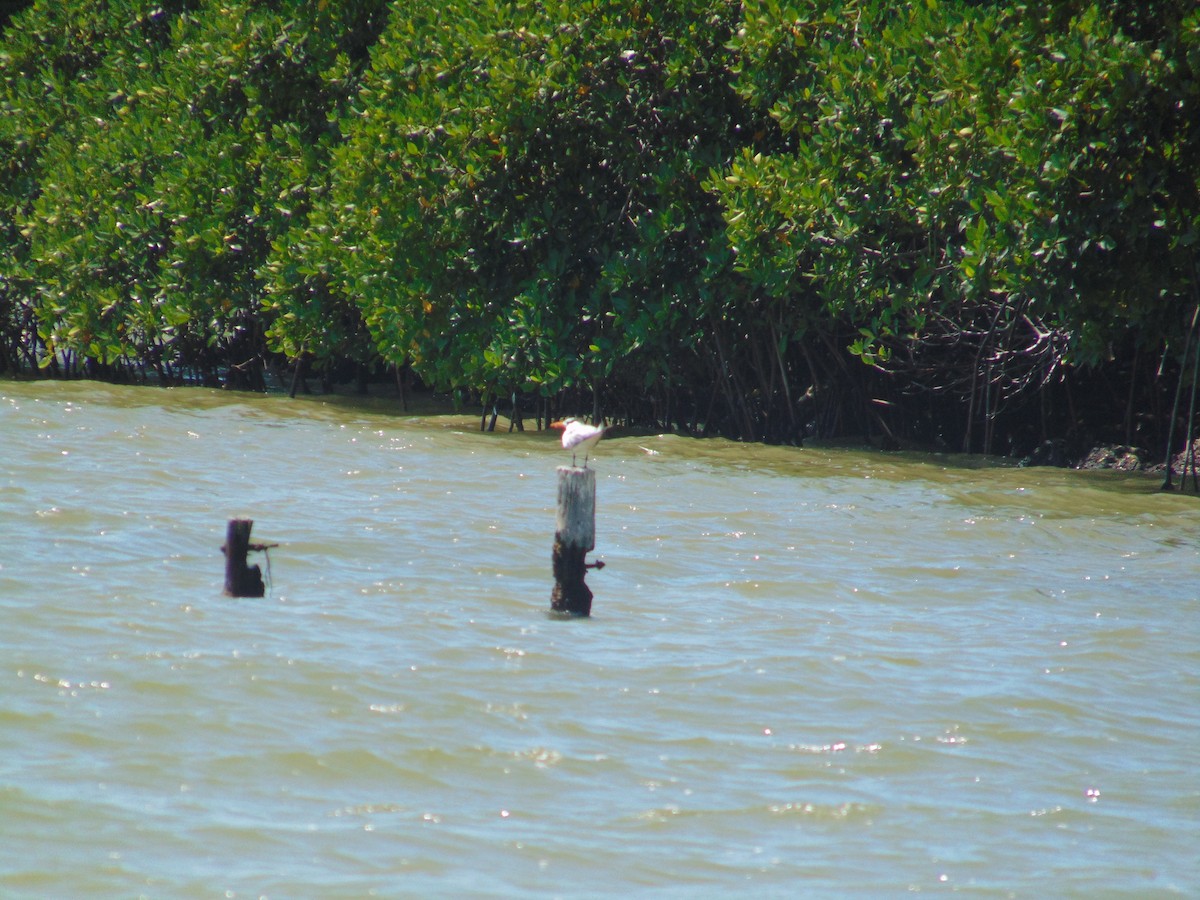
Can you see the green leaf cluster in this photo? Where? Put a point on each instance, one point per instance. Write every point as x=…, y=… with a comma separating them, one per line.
x=953, y=164
x=695, y=211
x=158, y=152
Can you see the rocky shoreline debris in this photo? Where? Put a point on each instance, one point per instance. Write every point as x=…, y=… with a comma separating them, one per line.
x=1116, y=457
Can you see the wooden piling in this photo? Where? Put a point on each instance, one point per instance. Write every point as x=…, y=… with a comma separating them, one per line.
x=241, y=580
x=574, y=536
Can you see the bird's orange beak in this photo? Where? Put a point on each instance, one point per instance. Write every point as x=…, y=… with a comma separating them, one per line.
x=558, y=424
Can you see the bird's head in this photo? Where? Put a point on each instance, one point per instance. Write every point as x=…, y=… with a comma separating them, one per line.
x=563, y=423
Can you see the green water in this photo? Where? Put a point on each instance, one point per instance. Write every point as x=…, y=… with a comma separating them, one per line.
x=809, y=672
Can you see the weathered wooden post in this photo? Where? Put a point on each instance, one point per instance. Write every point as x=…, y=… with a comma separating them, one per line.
x=241, y=580
x=574, y=536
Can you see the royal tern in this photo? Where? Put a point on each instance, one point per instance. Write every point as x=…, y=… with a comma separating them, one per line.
x=578, y=436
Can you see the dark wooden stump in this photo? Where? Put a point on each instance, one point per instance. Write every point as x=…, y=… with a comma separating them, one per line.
x=241, y=580
x=574, y=536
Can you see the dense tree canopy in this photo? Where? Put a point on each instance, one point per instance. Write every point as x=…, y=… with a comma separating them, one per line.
x=762, y=219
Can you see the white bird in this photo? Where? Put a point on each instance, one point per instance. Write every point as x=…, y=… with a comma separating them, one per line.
x=577, y=436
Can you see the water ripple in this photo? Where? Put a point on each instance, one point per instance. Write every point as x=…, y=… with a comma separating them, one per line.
x=808, y=669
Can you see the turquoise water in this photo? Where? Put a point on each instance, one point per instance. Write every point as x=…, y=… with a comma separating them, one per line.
x=808, y=672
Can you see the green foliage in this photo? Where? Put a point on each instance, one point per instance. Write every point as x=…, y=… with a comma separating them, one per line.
x=704, y=203
x=144, y=211
x=1018, y=182
x=517, y=204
